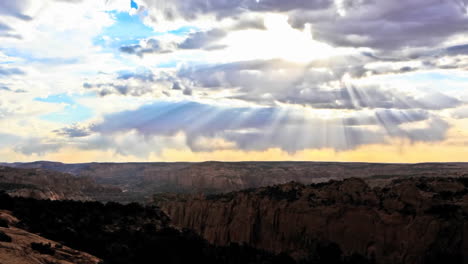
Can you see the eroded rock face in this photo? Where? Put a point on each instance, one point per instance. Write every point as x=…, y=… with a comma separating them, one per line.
x=419, y=220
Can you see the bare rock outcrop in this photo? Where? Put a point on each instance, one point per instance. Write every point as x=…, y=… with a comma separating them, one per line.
x=417, y=220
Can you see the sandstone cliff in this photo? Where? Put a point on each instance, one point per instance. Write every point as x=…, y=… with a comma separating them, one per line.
x=418, y=220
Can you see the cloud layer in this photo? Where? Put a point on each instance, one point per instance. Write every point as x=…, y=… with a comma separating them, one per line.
x=143, y=78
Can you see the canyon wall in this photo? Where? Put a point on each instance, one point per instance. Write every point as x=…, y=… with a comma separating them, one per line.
x=418, y=220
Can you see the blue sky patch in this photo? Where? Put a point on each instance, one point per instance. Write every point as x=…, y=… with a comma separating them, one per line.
x=127, y=30
x=133, y=4
x=71, y=113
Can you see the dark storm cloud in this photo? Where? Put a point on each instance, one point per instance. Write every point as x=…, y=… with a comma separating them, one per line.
x=261, y=128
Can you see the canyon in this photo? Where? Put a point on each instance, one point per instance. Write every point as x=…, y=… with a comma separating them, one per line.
x=139, y=181
x=298, y=212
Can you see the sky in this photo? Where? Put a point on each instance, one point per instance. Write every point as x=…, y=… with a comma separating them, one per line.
x=234, y=80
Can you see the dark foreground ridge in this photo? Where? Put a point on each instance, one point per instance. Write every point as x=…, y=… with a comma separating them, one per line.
x=417, y=220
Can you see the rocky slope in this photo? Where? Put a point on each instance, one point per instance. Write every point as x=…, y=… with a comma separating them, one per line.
x=44, y=184
x=18, y=246
x=417, y=220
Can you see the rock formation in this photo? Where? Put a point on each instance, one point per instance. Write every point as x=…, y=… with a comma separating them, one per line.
x=416, y=220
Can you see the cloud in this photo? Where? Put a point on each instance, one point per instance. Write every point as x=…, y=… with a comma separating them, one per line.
x=198, y=40
x=250, y=23
x=4, y=88
x=4, y=71
x=260, y=128
x=460, y=113
x=191, y=10
x=203, y=39
x=144, y=75
x=7, y=89
x=387, y=26
x=6, y=140
x=149, y=46
x=74, y=131
x=378, y=24
x=274, y=81
x=132, y=83
x=15, y=9
x=8, y=32
x=187, y=91
x=386, y=117
x=36, y=146
x=457, y=50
